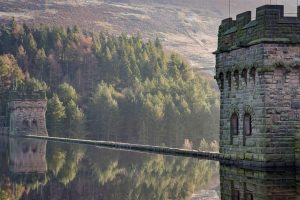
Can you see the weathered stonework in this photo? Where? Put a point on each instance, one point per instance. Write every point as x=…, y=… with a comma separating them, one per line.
x=27, y=114
x=246, y=184
x=258, y=73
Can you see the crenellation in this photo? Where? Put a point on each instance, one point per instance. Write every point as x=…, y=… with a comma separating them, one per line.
x=243, y=19
x=269, y=26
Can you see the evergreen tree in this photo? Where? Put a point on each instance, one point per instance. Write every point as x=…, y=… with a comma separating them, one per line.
x=67, y=93
x=55, y=116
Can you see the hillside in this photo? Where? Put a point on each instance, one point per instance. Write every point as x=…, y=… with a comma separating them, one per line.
x=188, y=27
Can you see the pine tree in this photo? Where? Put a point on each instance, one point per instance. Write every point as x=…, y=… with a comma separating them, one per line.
x=55, y=116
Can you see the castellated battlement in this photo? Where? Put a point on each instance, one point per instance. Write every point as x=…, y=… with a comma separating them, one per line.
x=270, y=25
x=27, y=95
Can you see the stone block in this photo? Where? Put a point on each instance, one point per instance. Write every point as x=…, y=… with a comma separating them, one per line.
x=248, y=156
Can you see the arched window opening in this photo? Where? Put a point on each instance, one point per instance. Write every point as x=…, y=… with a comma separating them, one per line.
x=244, y=76
x=235, y=193
x=236, y=79
x=252, y=75
x=34, y=123
x=25, y=124
x=221, y=79
x=34, y=149
x=247, y=125
x=25, y=148
x=228, y=79
x=234, y=124
x=248, y=195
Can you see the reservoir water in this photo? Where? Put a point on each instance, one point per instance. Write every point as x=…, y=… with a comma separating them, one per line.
x=40, y=169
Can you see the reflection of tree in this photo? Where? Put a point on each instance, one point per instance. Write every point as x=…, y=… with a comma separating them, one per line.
x=155, y=177
x=4, y=195
x=77, y=173
x=64, y=161
x=168, y=178
x=105, y=167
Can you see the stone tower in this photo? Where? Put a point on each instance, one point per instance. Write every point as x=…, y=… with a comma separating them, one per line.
x=258, y=73
x=27, y=113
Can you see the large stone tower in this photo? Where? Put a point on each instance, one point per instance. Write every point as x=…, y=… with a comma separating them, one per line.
x=27, y=113
x=258, y=73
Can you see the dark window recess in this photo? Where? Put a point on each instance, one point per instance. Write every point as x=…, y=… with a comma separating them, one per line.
x=247, y=125
x=248, y=196
x=236, y=79
x=34, y=123
x=236, y=194
x=228, y=79
x=234, y=124
x=253, y=74
x=221, y=79
x=25, y=148
x=244, y=76
x=25, y=124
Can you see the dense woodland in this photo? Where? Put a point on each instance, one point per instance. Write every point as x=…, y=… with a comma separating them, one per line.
x=108, y=87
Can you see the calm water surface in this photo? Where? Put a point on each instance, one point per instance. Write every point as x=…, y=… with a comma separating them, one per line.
x=38, y=169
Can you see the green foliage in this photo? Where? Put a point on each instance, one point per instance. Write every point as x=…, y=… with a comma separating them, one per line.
x=69, y=170
x=64, y=117
x=67, y=93
x=75, y=120
x=55, y=116
x=32, y=85
x=4, y=195
x=127, y=88
x=10, y=72
x=103, y=110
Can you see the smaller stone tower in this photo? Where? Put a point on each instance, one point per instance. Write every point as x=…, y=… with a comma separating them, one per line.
x=27, y=113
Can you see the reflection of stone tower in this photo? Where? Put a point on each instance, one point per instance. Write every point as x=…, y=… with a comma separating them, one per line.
x=27, y=155
x=258, y=70
x=27, y=113
x=246, y=184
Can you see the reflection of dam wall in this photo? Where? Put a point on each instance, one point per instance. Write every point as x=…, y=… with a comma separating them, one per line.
x=27, y=156
x=245, y=184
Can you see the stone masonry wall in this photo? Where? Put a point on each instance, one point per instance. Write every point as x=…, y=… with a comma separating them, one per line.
x=265, y=82
x=28, y=117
